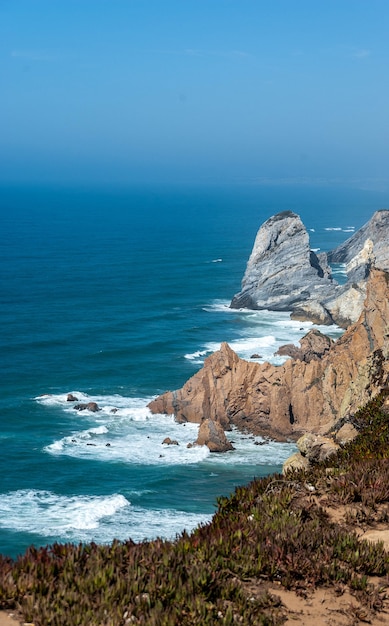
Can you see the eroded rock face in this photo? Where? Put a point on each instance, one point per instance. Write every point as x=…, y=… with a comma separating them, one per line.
x=282, y=270
x=288, y=400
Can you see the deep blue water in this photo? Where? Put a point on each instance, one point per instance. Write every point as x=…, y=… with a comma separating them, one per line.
x=116, y=295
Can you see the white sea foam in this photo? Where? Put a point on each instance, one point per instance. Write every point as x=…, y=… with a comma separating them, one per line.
x=348, y=229
x=125, y=438
x=253, y=451
x=46, y=513
x=261, y=333
x=130, y=434
x=89, y=518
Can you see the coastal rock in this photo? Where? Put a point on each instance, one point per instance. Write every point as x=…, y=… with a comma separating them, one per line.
x=295, y=462
x=71, y=398
x=316, y=448
x=282, y=270
x=285, y=401
x=313, y=346
x=346, y=305
x=212, y=435
x=87, y=406
x=312, y=449
x=170, y=442
x=367, y=247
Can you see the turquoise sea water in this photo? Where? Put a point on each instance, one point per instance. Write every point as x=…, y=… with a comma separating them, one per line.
x=116, y=295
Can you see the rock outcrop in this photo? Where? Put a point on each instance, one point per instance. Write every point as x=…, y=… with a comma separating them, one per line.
x=212, y=435
x=282, y=270
x=286, y=401
x=367, y=247
x=284, y=274
x=311, y=449
x=87, y=406
x=313, y=346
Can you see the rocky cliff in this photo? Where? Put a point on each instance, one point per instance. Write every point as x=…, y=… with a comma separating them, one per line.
x=284, y=274
x=304, y=394
x=282, y=270
x=368, y=246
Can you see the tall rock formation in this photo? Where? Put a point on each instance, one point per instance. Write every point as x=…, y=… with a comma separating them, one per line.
x=303, y=394
x=284, y=274
x=282, y=270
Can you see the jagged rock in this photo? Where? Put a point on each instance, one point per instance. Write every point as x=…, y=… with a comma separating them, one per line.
x=295, y=462
x=282, y=269
x=170, y=442
x=285, y=401
x=346, y=434
x=366, y=248
x=284, y=274
x=89, y=406
x=71, y=398
x=313, y=346
x=211, y=434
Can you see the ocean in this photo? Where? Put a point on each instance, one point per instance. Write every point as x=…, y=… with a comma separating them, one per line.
x=116, y=295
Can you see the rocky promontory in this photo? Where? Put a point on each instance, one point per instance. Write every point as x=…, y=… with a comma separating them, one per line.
x=312, y=394
x=284, y=274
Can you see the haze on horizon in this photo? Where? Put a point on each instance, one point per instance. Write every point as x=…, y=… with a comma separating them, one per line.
x=198, y=91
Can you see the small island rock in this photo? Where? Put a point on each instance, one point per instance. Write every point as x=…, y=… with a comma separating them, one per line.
x=211, y=434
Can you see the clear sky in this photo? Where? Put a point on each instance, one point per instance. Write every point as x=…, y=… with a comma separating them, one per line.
x=194, y=90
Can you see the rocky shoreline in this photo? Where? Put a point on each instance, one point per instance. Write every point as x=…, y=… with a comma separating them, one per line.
x=323, y=383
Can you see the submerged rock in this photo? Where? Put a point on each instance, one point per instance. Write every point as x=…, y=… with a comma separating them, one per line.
x=170, y=442
x=87, y=406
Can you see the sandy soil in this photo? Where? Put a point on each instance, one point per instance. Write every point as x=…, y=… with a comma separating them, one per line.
x=7, y=619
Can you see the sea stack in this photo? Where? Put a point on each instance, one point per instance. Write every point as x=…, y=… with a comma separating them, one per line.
x=284, y=274
x=282, y=270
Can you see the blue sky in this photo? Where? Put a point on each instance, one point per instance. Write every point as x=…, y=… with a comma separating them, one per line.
x=194, y=91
